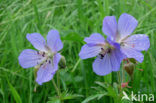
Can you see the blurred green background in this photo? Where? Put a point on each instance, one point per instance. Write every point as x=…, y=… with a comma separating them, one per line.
x=74, y=19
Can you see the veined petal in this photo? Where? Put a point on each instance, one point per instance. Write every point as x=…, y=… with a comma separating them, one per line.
x=54, y=41
x=110, y=62
x=116, y=58
x=48, y=69
x=56, y=60
x=139, y=42
x=132, y=53
x=113, y=43
x=88, y=51
x=110, y=27
x=126, y=25
x=95, y=38
x=37, y=41
x=45, y=73
x=102, y=66
x=29, y=58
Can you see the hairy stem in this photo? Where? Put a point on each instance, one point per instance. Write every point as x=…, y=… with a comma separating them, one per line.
x=119, y=80
x=58, y=81
x=55, y=86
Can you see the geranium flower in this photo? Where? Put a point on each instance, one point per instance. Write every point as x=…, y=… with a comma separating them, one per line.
x=120, y=32
x=119, y=44
x=46, y=59
x=108, y=54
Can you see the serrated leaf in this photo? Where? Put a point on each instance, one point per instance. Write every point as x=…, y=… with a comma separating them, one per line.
x=68, y=95
x=98, y=96
x=72, y=96
x=111, y=92
x=54, y=100
x=101, y=84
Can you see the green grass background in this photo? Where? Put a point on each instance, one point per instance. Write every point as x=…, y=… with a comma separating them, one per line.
x=74, y=19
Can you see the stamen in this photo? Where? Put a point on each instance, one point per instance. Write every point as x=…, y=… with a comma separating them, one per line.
x=101, y=56
x=104, y=51
x=49, y=61
x=43, y=55
x=108, y=50
x=46, y=57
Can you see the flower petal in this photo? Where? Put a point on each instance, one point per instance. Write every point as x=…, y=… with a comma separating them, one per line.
x=116, y=57
x=56, y=60
x=126, y=25
x=54, y=41
x=102, y=66
x=139, y=42
x=29, y=58
x=132, y=53
x=37, y=41
x=95, y=38
x=45, y=73
x=88, y=51
x=48, y=69
x=110, y=62
x=110, y=27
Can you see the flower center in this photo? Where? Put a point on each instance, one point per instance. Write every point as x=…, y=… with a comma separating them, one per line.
x=47, y=57
x=122, y=41
x=105, y=49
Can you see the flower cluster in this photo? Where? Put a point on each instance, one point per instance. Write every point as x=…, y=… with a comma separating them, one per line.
x=110, y=52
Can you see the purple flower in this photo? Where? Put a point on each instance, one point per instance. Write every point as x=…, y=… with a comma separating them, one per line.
x=120, y=32
x=119, y=44
x=108, y=54
x=46, y=59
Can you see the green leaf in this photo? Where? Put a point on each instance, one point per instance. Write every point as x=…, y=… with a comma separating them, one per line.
x=126, y=101
x=14, y=93
x=108, y=78
x=68, y=95
x=104, y=85
x=111, y=92
x=93, y=97
x=54, y=100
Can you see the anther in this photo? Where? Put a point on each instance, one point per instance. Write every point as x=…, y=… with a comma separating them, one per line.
x=109, y=50
x=101, y=56
x=49, y=61
x=102, y=49
x=43, y=54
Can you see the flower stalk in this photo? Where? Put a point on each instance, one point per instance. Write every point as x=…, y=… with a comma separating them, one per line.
x=57, y=86
x=57, y=89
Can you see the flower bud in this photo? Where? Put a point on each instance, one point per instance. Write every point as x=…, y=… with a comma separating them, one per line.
x=129, y=67
x=132, y=60
x=62, y=62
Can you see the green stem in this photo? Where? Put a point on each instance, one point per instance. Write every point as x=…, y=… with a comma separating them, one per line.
x=123, y=73
x=58, y=81
x=55, y=86
x=119, y=80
